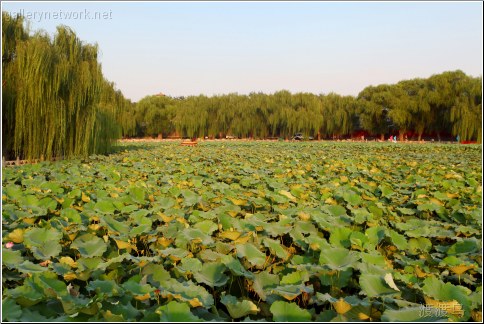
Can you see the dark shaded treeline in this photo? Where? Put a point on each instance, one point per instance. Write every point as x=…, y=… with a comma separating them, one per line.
x=56, y=102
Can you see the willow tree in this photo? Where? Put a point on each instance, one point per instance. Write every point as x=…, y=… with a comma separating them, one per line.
x=466, y=112
x=419, y=109
x=338, y=114
x=13, y=32
x=191, y=116
x=53, y=95
x=154, y=115
x=401, y=107
x=121, y=109
x=374, y=103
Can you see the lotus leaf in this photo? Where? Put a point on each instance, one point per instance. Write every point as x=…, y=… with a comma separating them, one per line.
x=338, y=258
x=176, y=312
x=212, y=274
x=289, y=312
x=239, y=308
x=89, y=245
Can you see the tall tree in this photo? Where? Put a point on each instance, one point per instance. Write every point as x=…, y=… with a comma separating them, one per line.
x=52, y=95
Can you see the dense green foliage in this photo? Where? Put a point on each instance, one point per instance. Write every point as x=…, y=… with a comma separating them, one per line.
x=448, y=103
x=56, y=101
x=246, y=230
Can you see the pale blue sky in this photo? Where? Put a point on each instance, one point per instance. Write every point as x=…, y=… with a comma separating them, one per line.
x=191, y=48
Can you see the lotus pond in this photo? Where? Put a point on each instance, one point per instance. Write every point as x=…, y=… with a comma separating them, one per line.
x=269, y=231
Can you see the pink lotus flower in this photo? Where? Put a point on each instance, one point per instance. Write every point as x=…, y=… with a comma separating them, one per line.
x=9, y=245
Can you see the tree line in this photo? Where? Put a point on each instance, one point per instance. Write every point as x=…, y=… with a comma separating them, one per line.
x=56, y=102
x=448, y=103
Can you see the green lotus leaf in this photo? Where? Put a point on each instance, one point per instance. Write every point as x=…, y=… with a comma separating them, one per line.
x=52, y=286
x=290, y=292
x=11, y=258
x=398, y=240
x=263, y=282
x=206, y=226
x=186, y=291
x=236, y=267
x=251, y=253
x=119, y=227
x=175, y=253
x=107, y=287
x=464, y=246
x=428, y=207
x=338, y=258
x=165, y=202
x=375, y=210
x=31, y=203
x=190, y=197
x=204, y=215
x=440, y=291
x=406, y=211
x=11, y=311
x=212, y=274
x=196, y=235
x=361, y=215
x=122, y=310
x=189, y=265
x=48, y=203
x=47, y=250
x=421, y=244
x=137, y=195
x=13, y=191
x=340, y=237
x=335, y=278
x=297, y=277
x=157, y=272
x=386, y=190
x=176, y=312
x=139, y=215
x=276, y=248
x=128, y=209
x=136, y=288
x=278, y=229
x=37, y=237
x=34, y=315
x=375, y=234
x=105, y=207
x=239, y=308
x=359, y=239
x=374, y=285
x=352, y=198
x=336, y=210
x=72, y=215
x=27, y=294
x=373, y=258
x=89, y=245
x=88, y=263
x=289, y=312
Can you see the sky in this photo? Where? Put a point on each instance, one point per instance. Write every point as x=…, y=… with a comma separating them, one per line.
x=191, y=48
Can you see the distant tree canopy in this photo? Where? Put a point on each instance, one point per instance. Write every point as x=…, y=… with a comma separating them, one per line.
x=56, y=102
x=448, y=103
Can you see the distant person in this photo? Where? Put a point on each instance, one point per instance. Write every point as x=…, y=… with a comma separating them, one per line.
x=394, y=138
x=457, y=139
